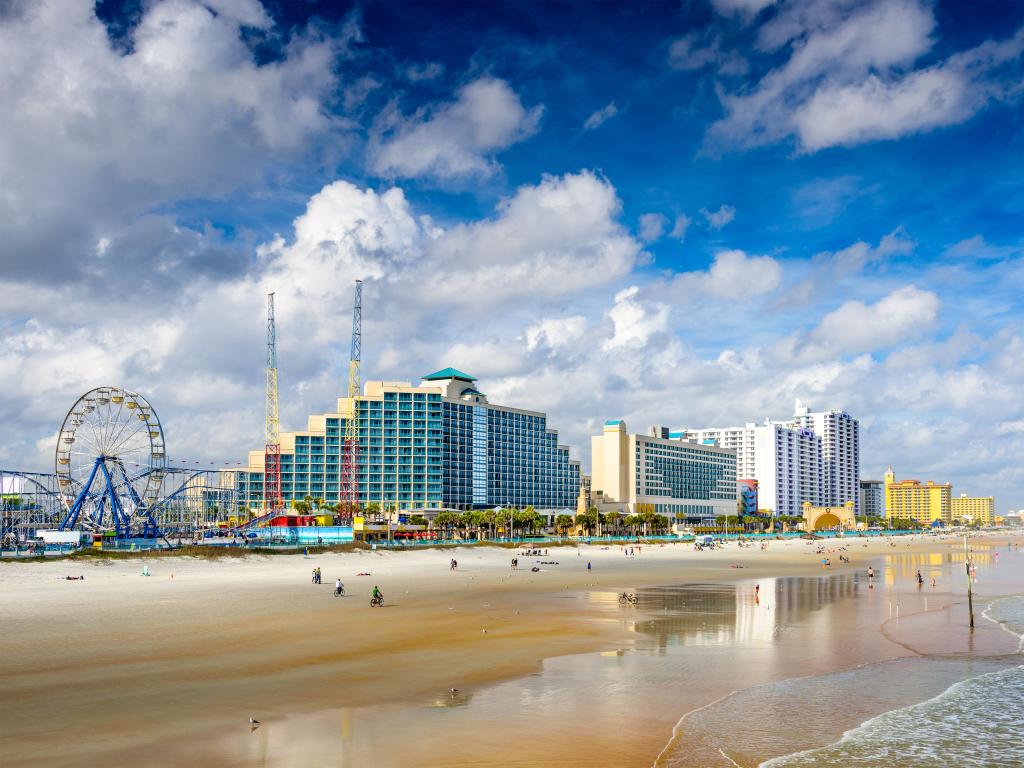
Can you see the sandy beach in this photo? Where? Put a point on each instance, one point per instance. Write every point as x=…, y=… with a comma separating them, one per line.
x=549, y=668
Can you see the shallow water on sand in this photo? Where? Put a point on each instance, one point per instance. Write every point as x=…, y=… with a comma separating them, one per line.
x=927, y=702
x=976, y=722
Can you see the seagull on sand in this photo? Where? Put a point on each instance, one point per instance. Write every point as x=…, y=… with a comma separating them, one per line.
x=253, y=722
x=454, y=691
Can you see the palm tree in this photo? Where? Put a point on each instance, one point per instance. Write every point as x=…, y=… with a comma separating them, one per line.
x=614, y=520
x=487, y=518
x=474, y=520
x=563, y=523
x=503, y=518
x=446, y=521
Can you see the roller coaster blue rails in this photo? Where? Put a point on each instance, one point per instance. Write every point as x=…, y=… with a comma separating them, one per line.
x=28, y=501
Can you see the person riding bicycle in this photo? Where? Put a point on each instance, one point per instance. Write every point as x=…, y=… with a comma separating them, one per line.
x=377, y=594
x=339, y=588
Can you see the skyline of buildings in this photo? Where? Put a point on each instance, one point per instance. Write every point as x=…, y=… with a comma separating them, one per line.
x=442, y=445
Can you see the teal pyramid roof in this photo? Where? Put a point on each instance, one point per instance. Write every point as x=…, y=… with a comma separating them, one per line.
x=448, y=373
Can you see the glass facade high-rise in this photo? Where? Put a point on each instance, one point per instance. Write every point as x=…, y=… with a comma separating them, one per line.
x=439, y=445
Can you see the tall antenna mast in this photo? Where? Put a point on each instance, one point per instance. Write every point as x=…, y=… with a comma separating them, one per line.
x=349, y=491
x=272, y=499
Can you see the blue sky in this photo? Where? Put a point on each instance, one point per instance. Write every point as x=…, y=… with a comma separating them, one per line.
x=681, y=213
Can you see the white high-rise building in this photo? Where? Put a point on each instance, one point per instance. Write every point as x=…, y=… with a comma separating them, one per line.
x=787, y=467
x=739, y=439
x=840, y=452
x=815, y=457
x=787, y=463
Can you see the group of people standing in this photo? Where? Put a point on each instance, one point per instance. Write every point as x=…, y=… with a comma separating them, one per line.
x=316, y=575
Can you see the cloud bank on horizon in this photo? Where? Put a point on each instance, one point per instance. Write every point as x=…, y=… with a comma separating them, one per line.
x=687, y=216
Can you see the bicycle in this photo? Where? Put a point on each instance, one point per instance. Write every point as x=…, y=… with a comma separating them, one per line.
x=339, y=591
x=376, y=601
x=625, y=598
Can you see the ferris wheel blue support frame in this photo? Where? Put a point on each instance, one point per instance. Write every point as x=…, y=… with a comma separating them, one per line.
x=120, y=518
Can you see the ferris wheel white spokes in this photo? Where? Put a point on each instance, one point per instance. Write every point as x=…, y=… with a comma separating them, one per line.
x=110, y=458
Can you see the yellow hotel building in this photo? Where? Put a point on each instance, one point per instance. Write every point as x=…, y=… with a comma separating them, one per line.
x=913, y=500
x=974, y=509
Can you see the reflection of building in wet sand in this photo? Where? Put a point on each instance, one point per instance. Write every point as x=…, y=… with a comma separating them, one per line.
x=904, y=566
x=755, y=611
x=714, y=614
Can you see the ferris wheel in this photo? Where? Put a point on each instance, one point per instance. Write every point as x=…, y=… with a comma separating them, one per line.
x=110, y=460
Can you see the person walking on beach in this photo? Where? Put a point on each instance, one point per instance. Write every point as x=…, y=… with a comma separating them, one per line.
x=920, y=580
x=588, y=565
x=871, y=577
x=313, y=579
x=318, y=575
x=455, y=564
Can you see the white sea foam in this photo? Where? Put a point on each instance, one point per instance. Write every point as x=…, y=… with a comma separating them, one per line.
x=1008, y=613
x=974, y=723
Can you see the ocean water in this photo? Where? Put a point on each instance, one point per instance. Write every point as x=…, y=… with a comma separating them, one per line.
x=973, y=723
x=1008, y=612
x=977, y=722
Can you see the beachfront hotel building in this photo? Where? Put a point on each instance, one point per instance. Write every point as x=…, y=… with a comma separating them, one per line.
x=786, y=463
x=840, y=452
x=926, y=503
x=973, y=509
x=686, y=482
x=436, y=445
x=813, y=457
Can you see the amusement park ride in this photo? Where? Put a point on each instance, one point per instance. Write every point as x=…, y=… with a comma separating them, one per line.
x=110, y=462
x=112, y=476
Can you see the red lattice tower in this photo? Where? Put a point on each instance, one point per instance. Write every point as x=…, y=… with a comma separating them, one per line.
x=272, y=499
x=349, y=490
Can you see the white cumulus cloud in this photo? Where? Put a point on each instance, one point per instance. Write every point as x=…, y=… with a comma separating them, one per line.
x=555, y=332
x=635, y=320
x=455, y=139
x=850, y=78
x=860, y=327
